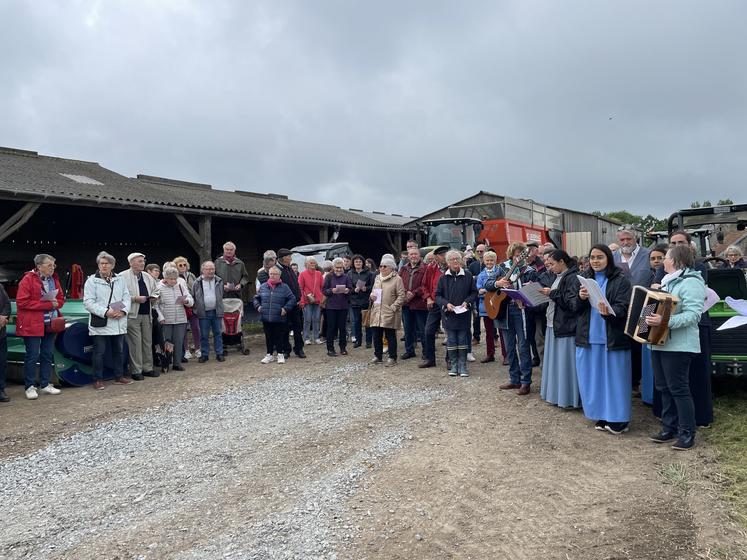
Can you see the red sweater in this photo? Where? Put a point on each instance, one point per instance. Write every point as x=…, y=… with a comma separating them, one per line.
x=310, y=282
x=415, y=282
x=30, y=308
x=432, y=274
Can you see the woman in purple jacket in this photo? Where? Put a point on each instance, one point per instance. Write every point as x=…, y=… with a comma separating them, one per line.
x=337, y=288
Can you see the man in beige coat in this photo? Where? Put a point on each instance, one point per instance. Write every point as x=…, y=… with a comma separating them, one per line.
x=143, y=290
x=387, y=297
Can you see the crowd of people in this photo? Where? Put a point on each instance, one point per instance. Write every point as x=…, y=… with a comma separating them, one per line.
x=588, y=361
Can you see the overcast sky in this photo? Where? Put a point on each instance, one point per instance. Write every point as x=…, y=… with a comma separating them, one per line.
x=395, y=106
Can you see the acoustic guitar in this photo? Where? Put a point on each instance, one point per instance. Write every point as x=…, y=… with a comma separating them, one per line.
x=495, y=301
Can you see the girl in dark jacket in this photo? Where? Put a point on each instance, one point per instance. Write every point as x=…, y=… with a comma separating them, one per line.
x=559, y=380
x=455, y=295
x=602, y=347
x=362, y=281
x=274, y=301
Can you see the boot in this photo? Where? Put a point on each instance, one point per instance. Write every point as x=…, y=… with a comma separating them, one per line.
x=462, y=363
x=453, y=363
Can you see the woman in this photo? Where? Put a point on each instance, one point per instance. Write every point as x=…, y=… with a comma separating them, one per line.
x=671, y=361
x=455, y=296
x=107, y=299
x=387, y=297
x=274, y=300
x=734, y=258
x=174, y=297
x=310, y=283
x=486, y=286
x=362, y=281
x=182, y=265
x=337, y=287
x=655, y=260
x=559, y=380
x=38, y=301
x=602, y=347
x=371, y=265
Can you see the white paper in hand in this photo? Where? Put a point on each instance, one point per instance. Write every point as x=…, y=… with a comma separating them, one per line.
x=596, y=296
x=740, y=306
x=459, y=309
x=377, y=296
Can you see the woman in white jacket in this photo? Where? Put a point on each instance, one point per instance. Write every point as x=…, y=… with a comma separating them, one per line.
x=174, y=297
x=107, y=299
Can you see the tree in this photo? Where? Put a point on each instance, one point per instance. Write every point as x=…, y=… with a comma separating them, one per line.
x=725, y=202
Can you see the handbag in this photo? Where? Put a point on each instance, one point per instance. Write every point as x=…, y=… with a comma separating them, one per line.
x=366, y=317
x=98, y=322
x=56, y=325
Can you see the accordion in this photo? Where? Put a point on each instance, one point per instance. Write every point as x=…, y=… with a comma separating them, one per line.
x=644, y=302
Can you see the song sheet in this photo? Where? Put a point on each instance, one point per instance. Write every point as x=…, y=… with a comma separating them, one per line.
x=596, y=295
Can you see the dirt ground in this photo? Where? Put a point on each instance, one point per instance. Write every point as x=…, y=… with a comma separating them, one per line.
x=483, y=473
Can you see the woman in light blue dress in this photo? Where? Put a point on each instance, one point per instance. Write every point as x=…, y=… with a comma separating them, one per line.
x=602, y=347
x=559, y=380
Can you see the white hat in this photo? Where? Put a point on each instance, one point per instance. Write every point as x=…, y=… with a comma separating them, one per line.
x=134, y=256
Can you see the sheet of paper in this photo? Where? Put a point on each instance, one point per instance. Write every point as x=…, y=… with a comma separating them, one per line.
x=117, y=306
x=517, y=295
x=459, y=309
x=733, y=323
x=711, y=299
x=51, y=295
x=533, y=292
x=596, y=296
x=738, y=305
x=360, y=284
x=377, y=296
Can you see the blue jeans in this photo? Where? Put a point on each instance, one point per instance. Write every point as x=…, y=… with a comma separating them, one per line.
x=312, y=315
x=38, y=349
x=414, y=324
x=519, y=365
x=214, y=323
x=457, y=339
x=357, y=314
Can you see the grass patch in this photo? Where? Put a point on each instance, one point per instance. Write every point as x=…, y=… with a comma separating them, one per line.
x=676, y=474
x=729, y=436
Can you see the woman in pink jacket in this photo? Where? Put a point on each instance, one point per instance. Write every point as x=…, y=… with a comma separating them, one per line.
x=310, y=282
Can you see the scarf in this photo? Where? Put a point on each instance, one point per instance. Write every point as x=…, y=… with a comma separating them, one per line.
x=229, y=260
x=671, y=276
x=274, y=283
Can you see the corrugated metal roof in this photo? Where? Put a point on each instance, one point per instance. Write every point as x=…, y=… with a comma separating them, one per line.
x=26, y=175
x=388, y=219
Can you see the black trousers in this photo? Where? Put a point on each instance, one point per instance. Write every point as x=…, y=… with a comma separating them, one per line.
x=672, y=380
x=636, y=362
x=337, y=326
x=274, y=333
x=295, y=324
x=432, y=324
x=476, y=320
x=378, y=336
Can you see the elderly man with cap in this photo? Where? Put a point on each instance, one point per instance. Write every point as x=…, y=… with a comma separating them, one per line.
x=433, y=321
x=143, y=290
x=295, y=320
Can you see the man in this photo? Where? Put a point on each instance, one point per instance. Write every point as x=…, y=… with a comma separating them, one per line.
x=415, y=309
x=534, y=260
x=295, y=322
x=433, y=321
x=4, y=318
x=143, y=290
x=513, y=322
x=634, y=260
x=475, y=267
x=263, y=274
x=403, y=260
x=208, y=295
x=231, y=269
x=347, y=263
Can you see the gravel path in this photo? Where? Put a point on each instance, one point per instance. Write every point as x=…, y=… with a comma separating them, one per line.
x=265, y=466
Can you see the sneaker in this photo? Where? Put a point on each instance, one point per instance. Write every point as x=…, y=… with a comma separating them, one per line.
x=50, y=390
x=600, y=425
x=31, y=393
x=465, y=374
x=307, y=342
x=353, y=339
x=390, y=362
x=470, y=357
x=318, y=341
x=98, y=385
x=684, y=442
x=281, y=359
x=452, y=373
x=268, y=358
x=663, y=436
x=197, y=353
x=187, y=355
x=122, y=381
x=375, y=360
x=617, y=428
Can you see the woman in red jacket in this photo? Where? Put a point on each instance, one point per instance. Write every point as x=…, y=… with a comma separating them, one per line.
x=38, y=301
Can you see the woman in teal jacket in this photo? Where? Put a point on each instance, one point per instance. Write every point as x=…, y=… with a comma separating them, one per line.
x=671, y=361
